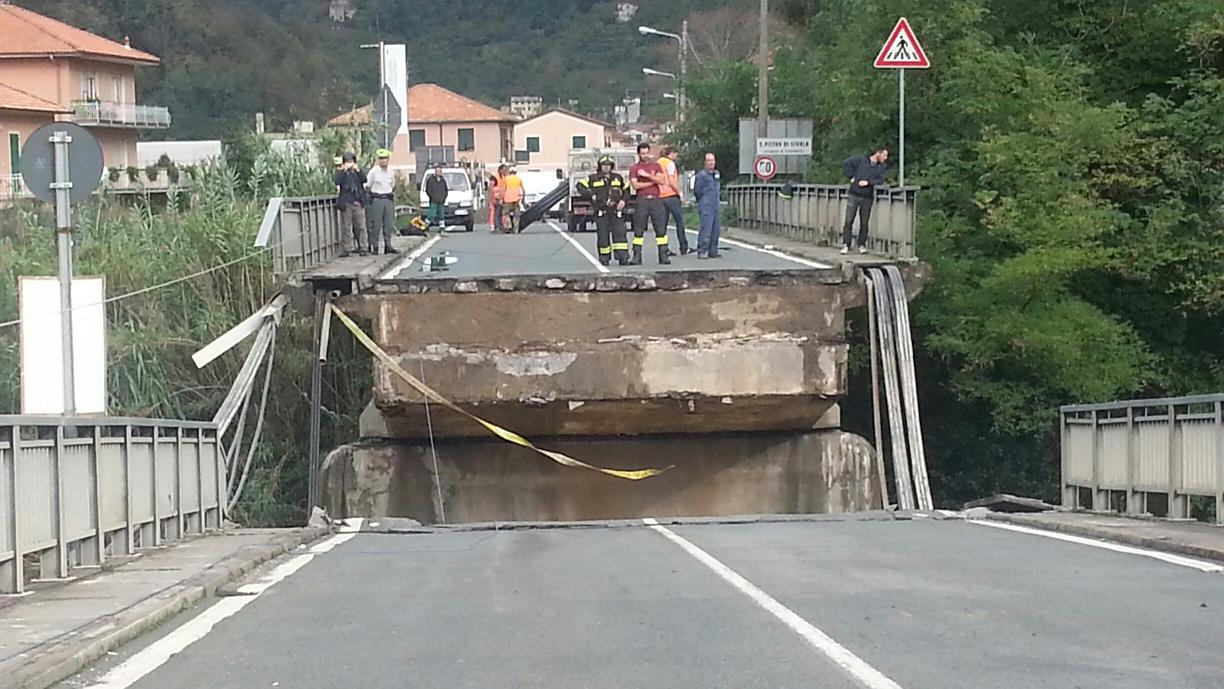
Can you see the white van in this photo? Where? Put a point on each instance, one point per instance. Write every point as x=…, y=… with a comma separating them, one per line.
x=460, y=197
x=538, y=182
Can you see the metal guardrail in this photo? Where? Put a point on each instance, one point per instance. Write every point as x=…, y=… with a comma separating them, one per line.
x=1139, y=448
x=109, y=113
x=75, y=491
x=817, y=212
x=303, y=232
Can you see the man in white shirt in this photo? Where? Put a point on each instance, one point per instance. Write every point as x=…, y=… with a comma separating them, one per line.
x=380, y=217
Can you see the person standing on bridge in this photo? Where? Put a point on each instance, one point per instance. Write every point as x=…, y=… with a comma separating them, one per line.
x=607, y=190
x=497, y=190
x=865, y=174
x=437, y=191
x=672, y=196
x=646, y=176
x=512, y=201
x=707, y=186
x=350, y=199
x=381, y=214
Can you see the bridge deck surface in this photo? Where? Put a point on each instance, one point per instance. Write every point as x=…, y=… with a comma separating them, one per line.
x=545, y=248
x=924, y=604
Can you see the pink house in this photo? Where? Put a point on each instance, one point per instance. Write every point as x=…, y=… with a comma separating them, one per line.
x=51, y=71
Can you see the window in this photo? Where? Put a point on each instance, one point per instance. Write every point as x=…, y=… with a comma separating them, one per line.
x=533, y=144
x=14, y=153
x=89, y=87
x=467, y=139
x=117, y=88
x=522, y=157
x=578, y=142
x=416, y=139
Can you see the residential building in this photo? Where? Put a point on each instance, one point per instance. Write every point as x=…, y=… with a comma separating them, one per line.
x=545, y=141
x=20, y=114
x=526, y=106
x=437, y=117
x=88, y=79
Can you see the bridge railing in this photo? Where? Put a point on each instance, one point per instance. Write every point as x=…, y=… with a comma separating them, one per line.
x=303, y=232
x=1119, y=456
x=75, y=491
x=816, y=213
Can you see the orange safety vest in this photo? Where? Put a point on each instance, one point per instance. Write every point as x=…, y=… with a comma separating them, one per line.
x=513, y=191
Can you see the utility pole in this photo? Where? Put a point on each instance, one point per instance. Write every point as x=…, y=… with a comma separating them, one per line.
x=763, y=73
x=63, y=225
x=684, y=48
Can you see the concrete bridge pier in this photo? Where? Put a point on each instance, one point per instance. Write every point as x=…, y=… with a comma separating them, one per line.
x=731, y=378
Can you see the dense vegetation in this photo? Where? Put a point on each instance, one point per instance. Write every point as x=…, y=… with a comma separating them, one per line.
x=1072, y=155
x=224, y=60
x=152, y=335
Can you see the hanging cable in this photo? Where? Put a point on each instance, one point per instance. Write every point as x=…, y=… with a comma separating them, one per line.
x=434, y=450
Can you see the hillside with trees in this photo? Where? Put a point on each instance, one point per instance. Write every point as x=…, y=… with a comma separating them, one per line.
x=224, y=60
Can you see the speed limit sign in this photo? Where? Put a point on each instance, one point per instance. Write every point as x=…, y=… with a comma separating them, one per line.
x=765, y=168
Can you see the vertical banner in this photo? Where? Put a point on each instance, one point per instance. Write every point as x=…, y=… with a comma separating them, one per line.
x=42, y=370
x=395, y=77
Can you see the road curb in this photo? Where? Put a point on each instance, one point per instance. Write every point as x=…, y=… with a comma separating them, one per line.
x=48, y=663
x=1106, y=533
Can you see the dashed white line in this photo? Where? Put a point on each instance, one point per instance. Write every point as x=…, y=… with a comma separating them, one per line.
x=1200, y=565
x=591, y=259
x=770, y=252
x=855, y=666
x=407, y=260
x=156, y=654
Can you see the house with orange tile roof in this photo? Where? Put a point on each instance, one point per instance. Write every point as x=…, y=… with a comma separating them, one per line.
x=480, y=134
x=52, y=71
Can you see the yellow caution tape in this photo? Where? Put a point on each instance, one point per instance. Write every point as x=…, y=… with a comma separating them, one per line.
x=508, y=436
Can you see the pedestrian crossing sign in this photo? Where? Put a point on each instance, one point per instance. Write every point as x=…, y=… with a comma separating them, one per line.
x=902, y=50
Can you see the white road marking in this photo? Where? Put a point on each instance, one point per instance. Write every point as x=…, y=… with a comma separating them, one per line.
x=591, y=259
x=1200, y=565
x=406, y=262
x=156, y=654
x=855, y=666
x=769, y=252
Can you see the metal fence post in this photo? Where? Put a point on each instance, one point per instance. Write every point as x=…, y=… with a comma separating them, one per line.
x=1069, y=495
x=61, y=538
x=157, y=515
x=1132, y=465
x=202, y=514
x=181, y=519
x=129, y=542
x=1177, y=504
x=18, y=568
x=1096, y=465
x=1219, y=462
x=100, y=528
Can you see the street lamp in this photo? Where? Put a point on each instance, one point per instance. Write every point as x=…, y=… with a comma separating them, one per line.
x=656, y=73
x=683, y=39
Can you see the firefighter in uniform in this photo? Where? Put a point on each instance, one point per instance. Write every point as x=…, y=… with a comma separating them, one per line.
x=607, y=191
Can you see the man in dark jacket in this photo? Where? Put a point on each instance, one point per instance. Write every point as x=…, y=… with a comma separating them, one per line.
x=350, y=198
x=865, y=174
x=437, y=191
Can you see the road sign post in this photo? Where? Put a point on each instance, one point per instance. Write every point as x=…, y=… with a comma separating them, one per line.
x=901, y=51
x=49, y=160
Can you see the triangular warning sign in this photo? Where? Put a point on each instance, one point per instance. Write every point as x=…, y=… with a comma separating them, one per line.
x=902, y=50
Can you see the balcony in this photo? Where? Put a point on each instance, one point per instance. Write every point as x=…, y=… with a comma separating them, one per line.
x=110, y=114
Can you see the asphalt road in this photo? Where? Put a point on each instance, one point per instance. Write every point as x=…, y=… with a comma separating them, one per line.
x=922, y=604
x=545, y=248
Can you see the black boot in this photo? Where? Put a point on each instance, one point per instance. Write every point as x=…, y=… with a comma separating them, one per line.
x=637, y=256
x=663, y=259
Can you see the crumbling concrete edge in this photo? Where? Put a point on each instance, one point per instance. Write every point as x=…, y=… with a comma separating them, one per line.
x=54, y=661
x=1106, y=533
